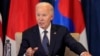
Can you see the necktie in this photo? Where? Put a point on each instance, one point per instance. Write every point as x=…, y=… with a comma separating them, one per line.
x=45, y=42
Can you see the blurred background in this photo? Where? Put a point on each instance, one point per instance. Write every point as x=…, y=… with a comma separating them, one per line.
x=79, y=16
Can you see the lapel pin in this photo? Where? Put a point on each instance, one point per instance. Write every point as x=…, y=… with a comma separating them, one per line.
x=54, y=32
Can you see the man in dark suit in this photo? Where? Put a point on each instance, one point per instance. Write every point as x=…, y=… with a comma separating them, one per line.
x=47, y=39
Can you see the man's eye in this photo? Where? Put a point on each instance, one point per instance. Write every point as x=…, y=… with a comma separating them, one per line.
x=44, y=15
x=38, y=14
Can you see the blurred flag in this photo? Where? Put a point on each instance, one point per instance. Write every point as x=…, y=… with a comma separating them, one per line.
x=69, y=14
x=21, y=16
x=1, y=46
x=91, y=10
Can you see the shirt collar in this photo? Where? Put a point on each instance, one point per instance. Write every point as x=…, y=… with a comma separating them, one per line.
x=48, y=29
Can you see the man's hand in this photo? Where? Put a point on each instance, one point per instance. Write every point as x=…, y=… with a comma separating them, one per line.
x=30, y=51
x=85, y=54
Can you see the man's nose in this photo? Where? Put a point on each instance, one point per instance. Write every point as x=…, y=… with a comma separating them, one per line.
x=41, y=19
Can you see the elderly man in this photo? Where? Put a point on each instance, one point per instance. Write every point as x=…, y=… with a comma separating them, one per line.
x=47, y=39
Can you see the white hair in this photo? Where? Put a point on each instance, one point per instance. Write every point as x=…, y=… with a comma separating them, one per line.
x=46, y=4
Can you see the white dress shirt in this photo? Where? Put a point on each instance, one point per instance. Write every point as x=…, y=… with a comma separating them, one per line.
x=42, y=33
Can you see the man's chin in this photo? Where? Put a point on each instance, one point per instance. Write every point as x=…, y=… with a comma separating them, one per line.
x=42, y=26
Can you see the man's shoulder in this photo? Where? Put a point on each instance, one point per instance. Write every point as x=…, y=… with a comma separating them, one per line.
x=33, y=28
x=59, y=26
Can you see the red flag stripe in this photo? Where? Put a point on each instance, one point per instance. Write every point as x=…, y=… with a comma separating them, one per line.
x=21, y=16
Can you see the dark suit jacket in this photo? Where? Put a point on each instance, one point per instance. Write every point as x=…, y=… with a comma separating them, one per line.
x=60, y=38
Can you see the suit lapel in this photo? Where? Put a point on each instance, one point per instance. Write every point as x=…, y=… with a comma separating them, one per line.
x=38, y=40
x=53, y=39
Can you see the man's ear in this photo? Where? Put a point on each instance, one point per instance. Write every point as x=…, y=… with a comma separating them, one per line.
x=52, y=17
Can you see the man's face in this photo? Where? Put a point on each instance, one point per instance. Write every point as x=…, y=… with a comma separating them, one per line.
x=43, y=17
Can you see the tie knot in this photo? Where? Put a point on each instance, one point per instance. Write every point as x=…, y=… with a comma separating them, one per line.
x=45, y=31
